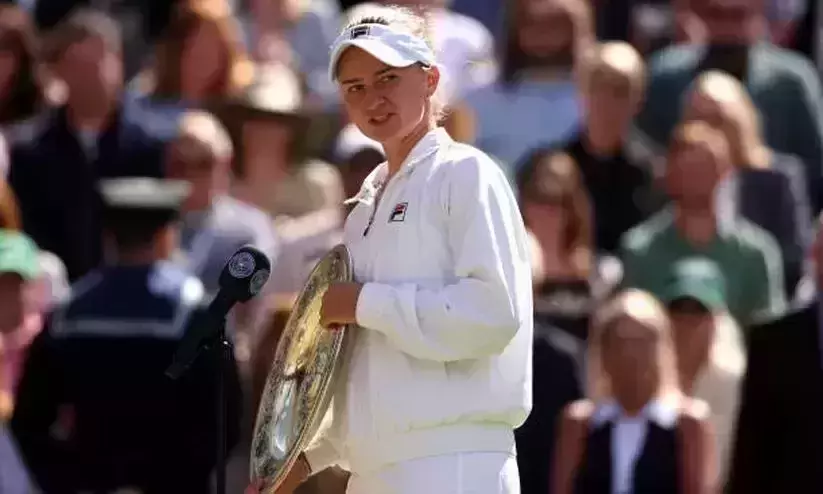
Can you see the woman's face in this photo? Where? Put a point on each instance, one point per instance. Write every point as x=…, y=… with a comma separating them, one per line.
x=631, y=359
x=202, y=64
x=385, y=103
x=611, y=103
x=191, y=161
x=92, y=71
x=544, y=30
x=693, y=332
x=692, y=175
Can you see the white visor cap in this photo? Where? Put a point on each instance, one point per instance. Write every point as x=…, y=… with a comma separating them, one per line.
x=393, y=47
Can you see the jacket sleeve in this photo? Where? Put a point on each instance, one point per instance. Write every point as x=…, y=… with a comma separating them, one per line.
x=807, y=124
x=768, y=299
x=480, y=310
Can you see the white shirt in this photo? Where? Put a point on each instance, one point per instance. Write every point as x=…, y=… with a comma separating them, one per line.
x=442, y=361
x=629, y=437
x=719, y=386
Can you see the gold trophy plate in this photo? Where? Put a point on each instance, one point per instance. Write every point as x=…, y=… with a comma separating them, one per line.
x=298, y=388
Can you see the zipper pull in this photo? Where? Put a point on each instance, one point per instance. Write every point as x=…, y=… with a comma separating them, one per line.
x=368, y=226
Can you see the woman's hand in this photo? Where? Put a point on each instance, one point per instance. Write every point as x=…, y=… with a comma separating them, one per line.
x=297, y=475
x=340, y=305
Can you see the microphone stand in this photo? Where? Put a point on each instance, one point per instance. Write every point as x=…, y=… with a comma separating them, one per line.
x=210, y=335
x=224, y=354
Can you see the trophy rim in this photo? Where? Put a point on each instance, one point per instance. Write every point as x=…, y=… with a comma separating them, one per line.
x=308, y=430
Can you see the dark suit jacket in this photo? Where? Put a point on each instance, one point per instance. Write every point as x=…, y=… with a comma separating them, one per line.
x=55, y=182
x=779, y=442
x=787, y=214
x=95, y=409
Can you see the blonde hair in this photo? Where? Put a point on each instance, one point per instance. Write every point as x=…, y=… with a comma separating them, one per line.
x=204, y=129
x=741, y=122
x=416, y=22
x=615, y=60
x=643, y=308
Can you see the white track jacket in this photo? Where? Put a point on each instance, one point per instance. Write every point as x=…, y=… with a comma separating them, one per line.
x=441, y=362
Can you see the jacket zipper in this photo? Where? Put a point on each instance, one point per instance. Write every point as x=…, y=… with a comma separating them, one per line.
x=371, y=220
x=378, y=199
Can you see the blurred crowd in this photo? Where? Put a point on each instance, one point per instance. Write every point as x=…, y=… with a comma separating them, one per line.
x=668, y=159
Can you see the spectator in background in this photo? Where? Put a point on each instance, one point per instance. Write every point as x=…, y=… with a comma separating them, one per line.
x=214, y=225
x=94, y=135
x=297, y=33
x=556, y=210
x=21, y=93
x=201, y=58
x=699, y=159
x=779, y=438
x=95, y=409
x=141, y=21
x=636, y=431
x=39, y=293
x=711, y=359
x=723, y=102
x=783, y=85
x=534, y=102
x=19, y=267
x=267, y=125
x=314, y=196
x=17, y=264
x=612, y=83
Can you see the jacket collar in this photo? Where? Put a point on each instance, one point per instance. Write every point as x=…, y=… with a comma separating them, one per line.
x=428, y=144
x=425, y=147
x=108, y=136
x=658, y=411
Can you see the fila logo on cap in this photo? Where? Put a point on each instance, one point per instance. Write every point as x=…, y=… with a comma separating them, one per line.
x=359, y=31
x=398, y=214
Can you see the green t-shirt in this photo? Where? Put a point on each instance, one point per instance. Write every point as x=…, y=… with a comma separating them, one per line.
x=747, y=255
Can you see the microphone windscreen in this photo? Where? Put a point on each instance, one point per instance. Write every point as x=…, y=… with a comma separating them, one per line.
x=245, y=274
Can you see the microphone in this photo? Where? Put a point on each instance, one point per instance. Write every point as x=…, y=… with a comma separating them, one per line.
x=242, y=278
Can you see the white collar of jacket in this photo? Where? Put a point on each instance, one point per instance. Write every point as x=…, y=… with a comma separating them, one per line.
x=658, y=411
x=425, y=147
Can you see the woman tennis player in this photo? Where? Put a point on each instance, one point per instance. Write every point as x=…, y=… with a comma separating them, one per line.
x=440, y=372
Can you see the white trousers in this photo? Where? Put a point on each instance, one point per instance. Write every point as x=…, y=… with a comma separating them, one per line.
x=462, y=473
